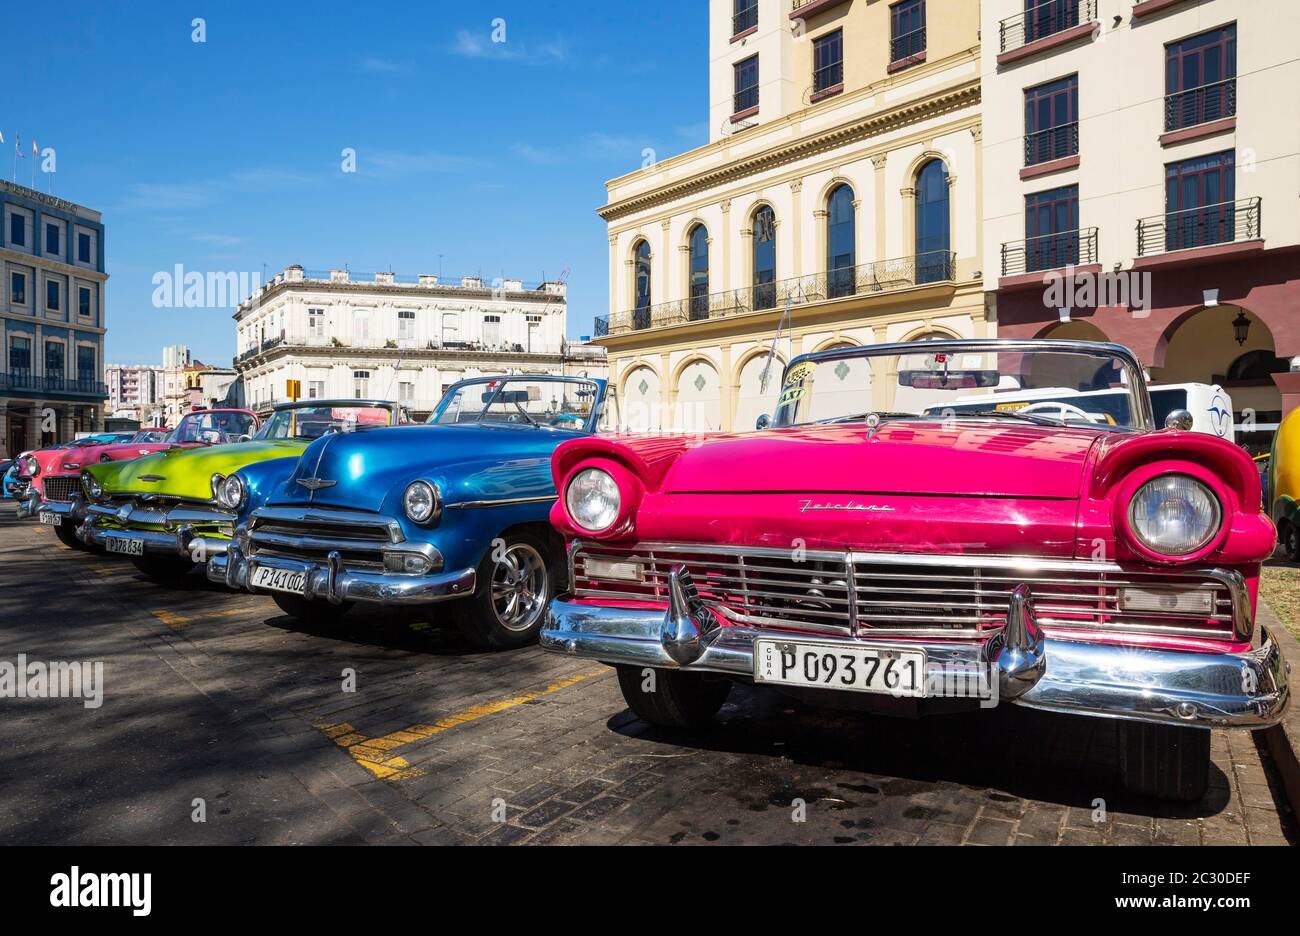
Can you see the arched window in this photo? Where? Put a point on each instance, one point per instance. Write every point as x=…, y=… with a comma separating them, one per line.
x=1257, y=365
x=764, y=225
x=699, y=275
x=841, y=246
x=641, y=309
x=933, y=259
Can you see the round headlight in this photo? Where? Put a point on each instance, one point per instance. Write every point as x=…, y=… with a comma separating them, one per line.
x=94, y=490
x=593, y=499
x=231, y=493
x=422, y=501
x=217, y=480
x=33, y=466
x=1174, y=515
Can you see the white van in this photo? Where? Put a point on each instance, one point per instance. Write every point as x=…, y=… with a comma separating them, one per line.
x=1209, y=404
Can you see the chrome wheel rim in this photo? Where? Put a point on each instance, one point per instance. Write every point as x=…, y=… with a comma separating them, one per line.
x=519, y=587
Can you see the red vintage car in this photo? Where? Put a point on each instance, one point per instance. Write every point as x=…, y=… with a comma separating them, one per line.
x=54, y=489
x=872, y=543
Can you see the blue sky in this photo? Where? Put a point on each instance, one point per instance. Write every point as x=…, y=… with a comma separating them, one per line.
x=226, y=155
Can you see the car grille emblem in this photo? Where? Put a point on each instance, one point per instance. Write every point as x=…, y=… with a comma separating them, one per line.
x=806, y=506
x=315, y=484
x=153, y=477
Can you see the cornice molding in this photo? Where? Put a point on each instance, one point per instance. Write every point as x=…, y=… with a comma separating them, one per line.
x=967, y=95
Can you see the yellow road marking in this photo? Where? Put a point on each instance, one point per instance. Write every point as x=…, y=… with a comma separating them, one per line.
x=373, y=753
x=178, y=621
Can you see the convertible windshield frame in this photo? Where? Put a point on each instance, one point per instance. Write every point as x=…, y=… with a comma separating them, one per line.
x=597, y=385
x=1135, y=378
x=394, y=412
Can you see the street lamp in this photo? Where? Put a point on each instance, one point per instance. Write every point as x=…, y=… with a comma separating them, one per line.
x=1240, y=327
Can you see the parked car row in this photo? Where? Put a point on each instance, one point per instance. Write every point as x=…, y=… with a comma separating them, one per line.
x=919, y=529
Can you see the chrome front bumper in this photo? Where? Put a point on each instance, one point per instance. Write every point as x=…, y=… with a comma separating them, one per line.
x=177, y=538
x=1208, y=690
x=337, y=584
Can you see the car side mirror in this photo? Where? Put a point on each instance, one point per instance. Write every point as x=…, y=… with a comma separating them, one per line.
x=1179, y=419
x=763, y=421
x=245, y=438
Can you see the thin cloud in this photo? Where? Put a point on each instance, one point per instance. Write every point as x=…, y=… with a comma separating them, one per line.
x=222, y=240
x=472, y=45
x=381, y=66
x=394, y=163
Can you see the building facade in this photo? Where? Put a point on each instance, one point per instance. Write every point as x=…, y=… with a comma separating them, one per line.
x=837, y=203
x=1142, y=167
x=399, y=338
x=135, y=392
x=51, y=319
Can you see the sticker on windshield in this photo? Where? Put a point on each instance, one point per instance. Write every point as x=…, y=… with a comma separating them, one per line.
x=798, y=373
x=790, y=395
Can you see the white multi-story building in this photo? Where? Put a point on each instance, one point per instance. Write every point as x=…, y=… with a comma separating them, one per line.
x=394, y=337
x=134, y=391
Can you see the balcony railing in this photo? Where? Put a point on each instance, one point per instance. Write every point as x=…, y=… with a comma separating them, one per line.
x=25, y=380
x=1220, y=223
x=828, y=76
x=1053, y=143
x=1201, y=105
x=1043, y=20
x=745, y=99
x=1049, y=251
x=906, y=45
x=864, y=280
x=744, y=19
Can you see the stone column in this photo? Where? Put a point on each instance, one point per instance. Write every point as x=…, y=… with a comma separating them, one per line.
x=878, y=163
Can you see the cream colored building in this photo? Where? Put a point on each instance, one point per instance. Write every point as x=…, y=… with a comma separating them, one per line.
x=1153, y=146
x=837, y=203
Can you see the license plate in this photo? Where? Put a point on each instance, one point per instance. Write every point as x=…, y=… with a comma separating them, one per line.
x=51, y=519
x=285, y=580
x=890, y=670
x=127, y=547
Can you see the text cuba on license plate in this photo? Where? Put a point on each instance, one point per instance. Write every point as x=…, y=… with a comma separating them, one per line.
x=890, y=670
x=285, y=580
x=127, y=547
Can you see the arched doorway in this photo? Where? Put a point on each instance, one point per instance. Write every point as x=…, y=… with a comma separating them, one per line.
x=699, y=398
x=756, y=397
x=640, y=400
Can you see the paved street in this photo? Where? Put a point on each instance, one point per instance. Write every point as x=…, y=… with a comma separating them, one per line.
x=216, y=696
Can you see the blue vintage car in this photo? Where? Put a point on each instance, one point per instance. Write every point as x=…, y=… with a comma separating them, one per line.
x=453, y=511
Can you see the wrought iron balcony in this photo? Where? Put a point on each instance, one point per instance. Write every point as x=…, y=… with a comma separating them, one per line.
x=1051, y=144
x=1200, y=105
x=24, y=380
x=746, y=18
x=1042, y=20
x=907, y=45
x=1220, y=223
x=1049, y=251
x=864, y=280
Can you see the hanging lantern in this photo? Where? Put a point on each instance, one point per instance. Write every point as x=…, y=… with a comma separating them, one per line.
x=1240, y=328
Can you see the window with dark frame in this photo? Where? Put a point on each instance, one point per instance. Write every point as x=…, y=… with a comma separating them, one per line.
x=1199, y=201
x=1048, y=17
x=746, y=85
x=1052, y=121
x=83, y=301
x=85, y=364
x=52, y=239
x=744, y=16
x=841, y=246
x=933, y=234
x=828, y=61
x=764, y=238
x=20, y=355
x=17, y=230
x=54, y=359
x=1052, y=228
x=906, y=29
x=17, y=288
x=83, y=247
x=51, y=295
x=1201, y=78
x=699, y=285
x=641, y=271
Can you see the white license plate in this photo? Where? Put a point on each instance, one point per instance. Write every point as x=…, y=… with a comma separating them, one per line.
x=127, y=547
x=890, y=670
x=51, y=519
x=285, y=580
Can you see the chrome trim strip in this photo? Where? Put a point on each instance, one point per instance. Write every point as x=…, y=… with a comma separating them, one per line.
x=503, y=502
x=326, y=516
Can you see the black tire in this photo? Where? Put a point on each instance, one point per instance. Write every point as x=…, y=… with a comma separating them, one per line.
x=165, y=570
x=320, y=610
x=1291, y=541
x=683, y=701
x=480, y=617
x=67, y=534
x=1168, y=762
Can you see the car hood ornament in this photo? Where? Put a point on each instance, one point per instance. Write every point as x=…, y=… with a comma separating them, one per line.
x=315, y=484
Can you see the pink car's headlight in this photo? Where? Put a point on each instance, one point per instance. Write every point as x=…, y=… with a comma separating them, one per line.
x=1174, y=515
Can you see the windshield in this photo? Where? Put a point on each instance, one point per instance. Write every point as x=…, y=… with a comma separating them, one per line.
x=555, y=404
x=213, y=427
x=312, y=422
x=1061, y=387
x=150, y=435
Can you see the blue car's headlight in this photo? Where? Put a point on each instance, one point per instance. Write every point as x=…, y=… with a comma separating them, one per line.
x=422, y=501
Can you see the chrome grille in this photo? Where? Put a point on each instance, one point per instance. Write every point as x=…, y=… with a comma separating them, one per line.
x=61, y=488
x=312, y=536
x=858, y=594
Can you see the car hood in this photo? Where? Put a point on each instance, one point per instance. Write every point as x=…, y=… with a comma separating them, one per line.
x=359, y=470
x=187, y=472
x=965, y=458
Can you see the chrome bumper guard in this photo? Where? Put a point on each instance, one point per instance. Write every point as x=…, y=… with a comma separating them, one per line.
x=337, y=584
x=178, y=538
x=1208, y=690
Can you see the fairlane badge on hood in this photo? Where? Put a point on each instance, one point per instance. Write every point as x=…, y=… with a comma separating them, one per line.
x=808, y=506
x=315, y=484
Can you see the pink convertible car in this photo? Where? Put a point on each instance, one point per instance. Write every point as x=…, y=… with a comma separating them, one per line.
x=871, y=542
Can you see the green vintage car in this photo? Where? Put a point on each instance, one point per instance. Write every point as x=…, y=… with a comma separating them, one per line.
x=170, y=510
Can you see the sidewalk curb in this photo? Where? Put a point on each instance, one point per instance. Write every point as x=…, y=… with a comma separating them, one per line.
x=1283, y=739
